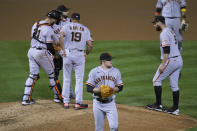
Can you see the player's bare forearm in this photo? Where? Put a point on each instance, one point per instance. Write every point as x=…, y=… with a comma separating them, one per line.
x=96, y=90
x=116, y=89
x=89, y=47
x=165, y=58
x=162, y=66
x=61, y=39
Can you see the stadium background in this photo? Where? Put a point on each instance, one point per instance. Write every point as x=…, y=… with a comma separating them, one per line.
x=107, y=19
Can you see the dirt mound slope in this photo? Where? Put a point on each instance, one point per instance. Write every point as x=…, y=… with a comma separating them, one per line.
x=50, y=116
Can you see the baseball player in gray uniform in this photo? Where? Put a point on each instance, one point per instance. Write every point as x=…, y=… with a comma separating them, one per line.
x=105, y=74
x=170, y=66
x=173, y=10
x=42, y=41
x=73, y=39
x=58, y=61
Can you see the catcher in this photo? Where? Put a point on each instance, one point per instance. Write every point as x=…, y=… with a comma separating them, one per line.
x=104, y=82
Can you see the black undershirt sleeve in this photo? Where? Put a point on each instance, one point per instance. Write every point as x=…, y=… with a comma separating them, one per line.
x=166, y=50
x=120, y=88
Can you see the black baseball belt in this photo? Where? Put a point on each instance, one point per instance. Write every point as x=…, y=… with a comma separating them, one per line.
x=104, y=101
x=174, y=56
x=70, y=50
x=39, y=48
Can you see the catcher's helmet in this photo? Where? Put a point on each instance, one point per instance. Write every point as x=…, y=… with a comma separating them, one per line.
x=75, y=16
x=62, y=8
x=54, y=14
x=159, y=18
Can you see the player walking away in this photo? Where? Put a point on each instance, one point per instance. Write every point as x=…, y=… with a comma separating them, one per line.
x=170, y=67
x=73, y=39
x=173, y=10
x=43, y=38
x=58, y=61
x=103, y=103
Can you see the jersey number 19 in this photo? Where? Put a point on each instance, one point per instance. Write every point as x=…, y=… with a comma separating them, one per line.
x=76, y=36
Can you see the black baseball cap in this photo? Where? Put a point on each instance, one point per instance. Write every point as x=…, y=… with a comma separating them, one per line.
x=62, y=8
x=75, y=16
x=159, y=18
x=106, y=56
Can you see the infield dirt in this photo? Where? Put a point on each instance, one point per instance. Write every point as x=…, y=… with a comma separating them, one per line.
x=46, y=115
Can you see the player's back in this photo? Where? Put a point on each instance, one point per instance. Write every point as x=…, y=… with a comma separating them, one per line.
x=76, y=36
x=43, y=34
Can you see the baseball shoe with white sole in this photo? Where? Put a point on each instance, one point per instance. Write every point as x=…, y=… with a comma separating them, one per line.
x=172, y=110
x=154, y=107
x=57, y=100
x=27, y=102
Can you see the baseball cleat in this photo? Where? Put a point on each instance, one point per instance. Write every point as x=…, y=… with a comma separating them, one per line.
x=57, y=100
x=154, y=107
x=27, y=102
x=66, y=105
x=173, y=110
x=80, y=106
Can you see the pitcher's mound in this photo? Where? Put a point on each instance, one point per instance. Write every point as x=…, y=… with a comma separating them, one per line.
x=46, y=115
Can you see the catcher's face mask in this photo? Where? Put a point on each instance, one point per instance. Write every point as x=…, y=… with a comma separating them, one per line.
x=64, y=15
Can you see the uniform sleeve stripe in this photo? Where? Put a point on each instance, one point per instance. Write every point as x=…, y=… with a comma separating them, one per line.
x=119, y=84
x=49, y=41
x=164, y=45
x=90, y=84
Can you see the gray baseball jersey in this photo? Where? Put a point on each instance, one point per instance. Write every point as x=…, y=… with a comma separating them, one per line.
x=76, y=36
x=169, y=38
x=98, y=76
x=112, y=78
x=45, y=34
x=58, y=27
x=171, y=8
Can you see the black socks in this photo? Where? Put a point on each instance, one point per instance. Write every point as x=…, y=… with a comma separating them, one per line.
x=158, y=92
x=175, y=99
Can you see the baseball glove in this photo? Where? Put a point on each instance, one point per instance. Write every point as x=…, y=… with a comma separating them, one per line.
x=56, y=47
x=184, y=26
x=106, y=91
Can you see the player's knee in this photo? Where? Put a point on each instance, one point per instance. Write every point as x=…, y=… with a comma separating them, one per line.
x=174, y=88
x=52, y=82
x=114, y=129
x=114, y=126
x=157, y=83
x=31, y=78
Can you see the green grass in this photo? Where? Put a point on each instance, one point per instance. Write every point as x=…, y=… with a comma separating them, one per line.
x=137, y=61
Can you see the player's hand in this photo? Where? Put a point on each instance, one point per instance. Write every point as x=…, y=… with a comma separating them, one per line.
x=63, y=53
x=161, y=68
x=96, y=90
x=85, y=55
x=184, y=25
